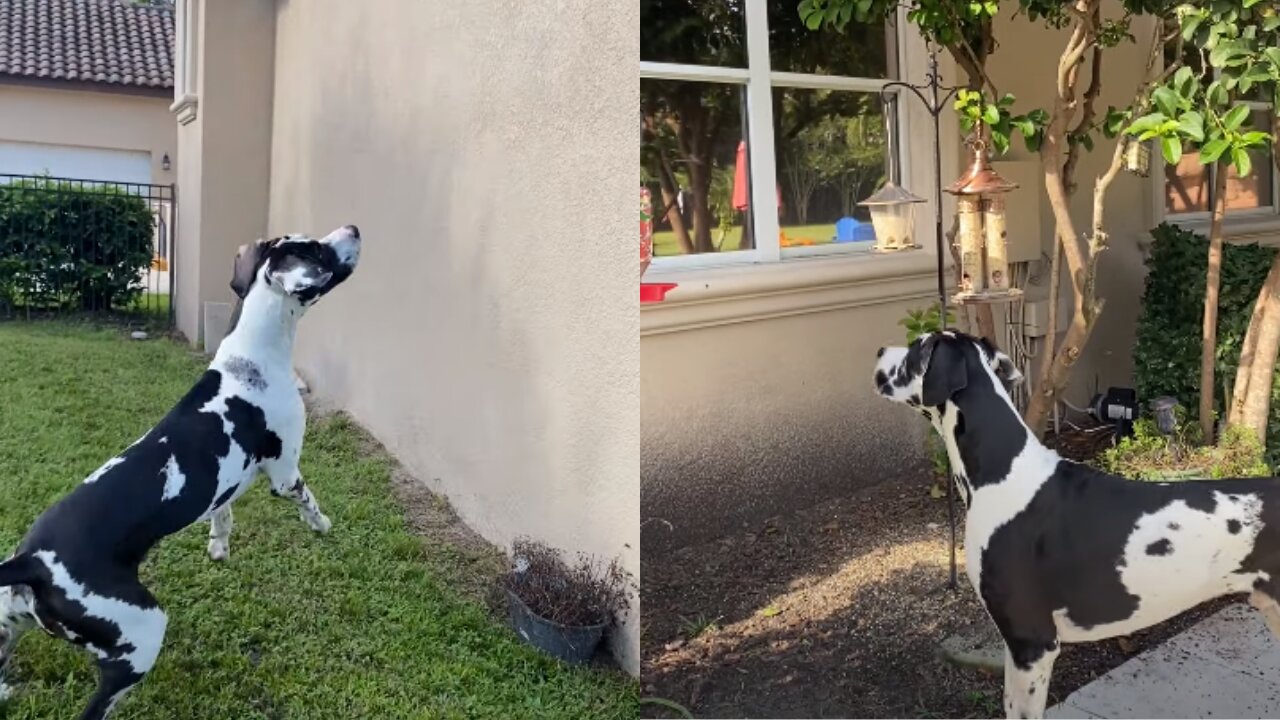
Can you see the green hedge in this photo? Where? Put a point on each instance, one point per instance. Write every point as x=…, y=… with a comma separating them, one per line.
x=68, y=246
x=1167, y=355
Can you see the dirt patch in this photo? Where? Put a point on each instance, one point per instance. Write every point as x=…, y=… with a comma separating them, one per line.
x=834, y=611
x=471, y=563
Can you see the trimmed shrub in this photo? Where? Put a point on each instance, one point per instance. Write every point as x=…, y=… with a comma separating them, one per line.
x=1167, y=354
x=66, y=245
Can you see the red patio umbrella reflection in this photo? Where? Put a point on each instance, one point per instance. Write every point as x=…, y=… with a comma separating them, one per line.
x=740, y=184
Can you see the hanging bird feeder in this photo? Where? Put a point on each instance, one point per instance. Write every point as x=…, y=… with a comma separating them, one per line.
x=892, y=206
x=983, y=236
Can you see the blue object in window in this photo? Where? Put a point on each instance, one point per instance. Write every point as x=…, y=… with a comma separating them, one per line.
x=850, y=230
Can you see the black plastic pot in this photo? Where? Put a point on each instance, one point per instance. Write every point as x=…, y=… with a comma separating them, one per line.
x=571, y=644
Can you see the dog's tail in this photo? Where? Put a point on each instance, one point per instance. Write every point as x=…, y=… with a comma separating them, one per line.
x=19, y=570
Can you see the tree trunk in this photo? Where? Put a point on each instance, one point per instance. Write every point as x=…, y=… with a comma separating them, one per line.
x=700, y=179
x=1249, y=349
x=1209, y=332
x=1255, y=403
x=666, y=180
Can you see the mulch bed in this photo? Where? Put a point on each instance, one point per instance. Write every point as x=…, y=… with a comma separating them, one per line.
x=838, y=611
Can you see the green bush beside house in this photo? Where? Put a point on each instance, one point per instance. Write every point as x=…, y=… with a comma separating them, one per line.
x=66, y=245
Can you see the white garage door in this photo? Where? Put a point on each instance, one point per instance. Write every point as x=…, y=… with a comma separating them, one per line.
x=68, y=161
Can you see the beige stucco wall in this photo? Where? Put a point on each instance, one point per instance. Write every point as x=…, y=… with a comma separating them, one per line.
x=490, y=335
x=223, y=188
x=758, y=398
x=86, y=118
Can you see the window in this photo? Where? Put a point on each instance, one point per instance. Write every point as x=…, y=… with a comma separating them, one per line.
x=1188, y=186
x=185, y=53
x=735, y=91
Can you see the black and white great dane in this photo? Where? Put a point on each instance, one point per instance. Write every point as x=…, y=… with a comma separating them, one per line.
x=75, y=574
x=1060, y=552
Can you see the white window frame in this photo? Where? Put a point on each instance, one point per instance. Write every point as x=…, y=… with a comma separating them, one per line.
x=760, y=80
x=186, y=91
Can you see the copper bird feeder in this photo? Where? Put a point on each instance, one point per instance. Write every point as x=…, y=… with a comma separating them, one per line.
x=983, y=236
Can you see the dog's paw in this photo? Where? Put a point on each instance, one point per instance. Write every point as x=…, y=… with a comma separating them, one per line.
x=318, y=522
x=219, y=550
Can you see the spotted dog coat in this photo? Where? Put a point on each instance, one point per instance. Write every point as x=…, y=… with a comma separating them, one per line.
x=75, y=574
x=1060, y=552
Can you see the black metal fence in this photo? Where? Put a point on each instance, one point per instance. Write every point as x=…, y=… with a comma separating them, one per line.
x=71, y=246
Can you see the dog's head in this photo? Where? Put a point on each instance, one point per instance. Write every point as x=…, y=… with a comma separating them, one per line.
x=297, y=266
x=936, y=366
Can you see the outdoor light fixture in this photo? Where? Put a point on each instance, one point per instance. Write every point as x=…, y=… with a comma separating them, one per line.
x=983, y=235
x=164, y=162
x=892, y=214
x=1137, y=156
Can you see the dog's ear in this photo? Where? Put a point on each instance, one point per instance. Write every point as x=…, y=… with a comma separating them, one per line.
x=945, y=373
x=1006, y=370
x=245, y=270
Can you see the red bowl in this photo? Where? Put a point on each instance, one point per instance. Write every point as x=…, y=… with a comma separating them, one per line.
x=654, y=292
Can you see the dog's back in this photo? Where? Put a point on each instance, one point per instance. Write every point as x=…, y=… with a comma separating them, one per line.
x=190, y=464
x=1103, y=548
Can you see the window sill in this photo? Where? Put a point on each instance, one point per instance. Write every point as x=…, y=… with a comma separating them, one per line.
x=1240, y=230
x=708, y=297
x=185, y=108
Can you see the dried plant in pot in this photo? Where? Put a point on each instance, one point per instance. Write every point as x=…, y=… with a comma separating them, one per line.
x=559, y=607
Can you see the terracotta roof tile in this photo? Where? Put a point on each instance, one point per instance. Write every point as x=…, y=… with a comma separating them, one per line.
x=105, y=41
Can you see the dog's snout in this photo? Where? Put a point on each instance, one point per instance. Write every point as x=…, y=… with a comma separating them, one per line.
x=880, y=353
x=355, y=231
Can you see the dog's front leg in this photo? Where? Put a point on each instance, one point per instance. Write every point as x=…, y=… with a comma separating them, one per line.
x=1027, y=669
x=220, y=533
x=287, y=482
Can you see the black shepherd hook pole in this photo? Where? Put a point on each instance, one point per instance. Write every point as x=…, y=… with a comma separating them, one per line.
x=934, y=102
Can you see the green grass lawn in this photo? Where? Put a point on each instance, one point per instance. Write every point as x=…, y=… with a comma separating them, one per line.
x=369, y=621
x=664, y=242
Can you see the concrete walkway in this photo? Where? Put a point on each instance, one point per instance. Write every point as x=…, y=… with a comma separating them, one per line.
x=1228, y=666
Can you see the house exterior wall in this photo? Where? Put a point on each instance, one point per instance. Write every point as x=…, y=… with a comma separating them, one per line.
x=224, y=187
x=490, y=337
x=84, y=118
x=756, y=393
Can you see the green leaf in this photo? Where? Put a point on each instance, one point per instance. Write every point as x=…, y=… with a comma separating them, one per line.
x=1243, y=163
x=1235, y=117
x=1254, y=138
x=991, y=114
x=1146, y=123
x=1087, y=142
x=1001, y=142
x=1189, y=25
x=1213, y=150
x=1171, y=148
x=1184, y=80
x=770, y=611
x=1217, y=93
x=1191, y=124
x=1272, y=54
x=1166, y=100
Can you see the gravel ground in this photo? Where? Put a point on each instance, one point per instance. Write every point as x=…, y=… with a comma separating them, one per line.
x=834, y=611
